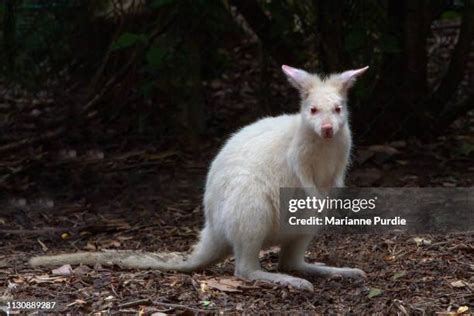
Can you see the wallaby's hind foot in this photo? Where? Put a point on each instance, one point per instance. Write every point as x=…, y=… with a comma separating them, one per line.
x=278, y=278
x=292, y=259
x=326, y=271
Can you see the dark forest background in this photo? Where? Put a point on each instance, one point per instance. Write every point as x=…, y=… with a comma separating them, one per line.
x=91, y=89
x=177, y=70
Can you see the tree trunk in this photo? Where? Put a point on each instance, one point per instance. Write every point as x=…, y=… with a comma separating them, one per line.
x=403, y=81
x=276, y=44
x=331, y=31
x=457, y=66
x=416, y=30
x=9, y=35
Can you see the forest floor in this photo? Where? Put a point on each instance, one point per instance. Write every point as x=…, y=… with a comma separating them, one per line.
x=125, y=193
x=146, y=199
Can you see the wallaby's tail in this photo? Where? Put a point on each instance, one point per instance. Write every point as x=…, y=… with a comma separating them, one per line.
x=207, y=251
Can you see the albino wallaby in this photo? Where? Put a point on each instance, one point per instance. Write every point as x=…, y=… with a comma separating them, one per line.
x=241, y=201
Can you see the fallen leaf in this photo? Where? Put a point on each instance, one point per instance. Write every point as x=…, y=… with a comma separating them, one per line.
x=383, y=153
x=449, y=184
x=270, y=250
x=421, y=241
x=204, y=287
x=462, y=309
x=77, y=302
x=374, y=292
x=367, y=177
x=43, y=246
x=398, y=144
x=111, y=244
x=458, y=284
x=64, y=270
x=398, y=275
x=162, y=155
x=363, y=155
x=386, y=149
x=389, y=258
x=224, y=285
x=82, y=270
x=90, y=246
x=47, y=279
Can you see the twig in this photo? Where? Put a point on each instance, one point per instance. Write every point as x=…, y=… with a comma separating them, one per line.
x=31, y=231
x=191, y=309
x=33, y=140
x=145, y=301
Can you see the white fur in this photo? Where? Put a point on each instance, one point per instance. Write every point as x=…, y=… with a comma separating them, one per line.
x=241, y=200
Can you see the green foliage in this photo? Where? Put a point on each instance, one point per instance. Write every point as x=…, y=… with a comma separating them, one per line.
x=389, y=44
x=466, y=149
x=450, y=15
x=374, y=292
x=158, y=4
x=155, y=56
x=355, y=39
x=127, y=40
x=37, y=42
x=175, y=45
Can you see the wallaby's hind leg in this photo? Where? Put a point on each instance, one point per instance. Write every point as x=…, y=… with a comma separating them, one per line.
x=209, y=250
x=249, y=221
x=247, y=266
x=292, y=259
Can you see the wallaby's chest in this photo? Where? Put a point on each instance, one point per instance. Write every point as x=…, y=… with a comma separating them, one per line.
x=326, y=164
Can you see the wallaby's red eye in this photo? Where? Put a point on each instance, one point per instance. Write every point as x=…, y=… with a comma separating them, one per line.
x=338, y=109
x=314, y=110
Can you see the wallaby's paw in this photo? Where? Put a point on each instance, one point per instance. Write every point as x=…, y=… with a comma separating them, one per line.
x=350, y=273
x=297, y=283
x=358, y=274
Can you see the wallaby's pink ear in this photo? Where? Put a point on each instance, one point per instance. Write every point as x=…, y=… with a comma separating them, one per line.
x=300, y=79
x=349, y=77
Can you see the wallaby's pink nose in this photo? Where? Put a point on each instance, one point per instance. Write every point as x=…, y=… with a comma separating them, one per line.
x=326, y=130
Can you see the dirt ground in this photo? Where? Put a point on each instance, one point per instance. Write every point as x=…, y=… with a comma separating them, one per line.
x=146, y=199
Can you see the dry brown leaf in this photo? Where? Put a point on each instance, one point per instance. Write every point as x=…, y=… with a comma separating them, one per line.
x=458, y=284
x=64, y=270
x=90, y=246
x=3, y=263
x=47, y=279
x=386, y=149
x=269, y=251
x=111, y=244
x=77, y=302
x=82, y=270
x=224, y=284
x=462, y=309
x=43, y=246
x=419, y=241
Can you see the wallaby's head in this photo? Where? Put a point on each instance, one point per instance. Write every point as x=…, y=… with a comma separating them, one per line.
x=323, y=100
